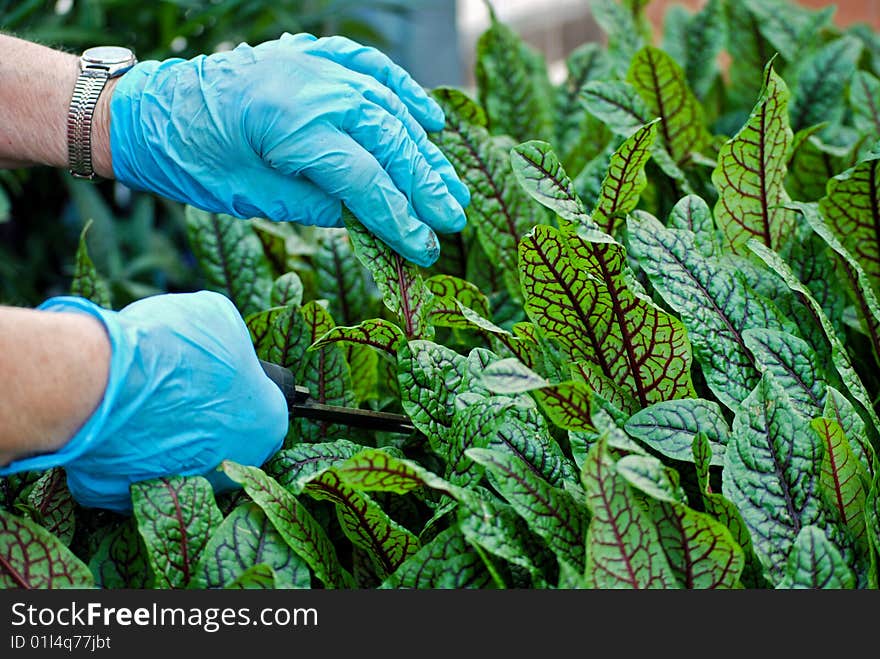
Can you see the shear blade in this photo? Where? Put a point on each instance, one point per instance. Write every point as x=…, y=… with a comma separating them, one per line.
x=367, y=419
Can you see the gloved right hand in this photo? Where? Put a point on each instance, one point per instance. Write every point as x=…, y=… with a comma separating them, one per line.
x=288, y=130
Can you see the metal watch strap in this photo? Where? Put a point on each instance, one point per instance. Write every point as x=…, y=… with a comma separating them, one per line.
x=89, y=85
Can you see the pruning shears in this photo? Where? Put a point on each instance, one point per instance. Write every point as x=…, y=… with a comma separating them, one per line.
x=301, y=405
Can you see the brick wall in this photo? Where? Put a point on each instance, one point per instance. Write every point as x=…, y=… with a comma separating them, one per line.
x=848, y=11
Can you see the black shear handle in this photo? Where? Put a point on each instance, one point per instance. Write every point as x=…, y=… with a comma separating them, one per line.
x=283, y=377
x=301, y=405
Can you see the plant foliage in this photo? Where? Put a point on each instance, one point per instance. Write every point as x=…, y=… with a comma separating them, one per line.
x=649, y=361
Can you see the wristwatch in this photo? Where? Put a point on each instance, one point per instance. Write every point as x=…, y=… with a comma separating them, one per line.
x=96, y=66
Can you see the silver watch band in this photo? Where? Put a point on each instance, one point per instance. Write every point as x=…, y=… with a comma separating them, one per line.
x=89, y=85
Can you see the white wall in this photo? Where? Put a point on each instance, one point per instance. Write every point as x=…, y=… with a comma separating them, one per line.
x=541, y=20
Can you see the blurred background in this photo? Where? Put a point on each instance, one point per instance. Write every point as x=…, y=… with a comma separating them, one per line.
x=137, y=241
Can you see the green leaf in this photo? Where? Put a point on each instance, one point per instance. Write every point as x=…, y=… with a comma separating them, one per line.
x=670, y=427
x=455, y=314
x=822, y=78
x=715, y=304
x=851, y=206
x=5, y=206
x=839, y=356
x=701, y=551
x=511, y=376
x=679, y=181
x=342, y=280
x=293, y=522
x=509, y=87
x=751, y=173
x=623, y=545
x=104, y=247
x=540, y=173
x=791, y=363
x=588, y=181
x=245, y=539
x=662, y=84
x=474, y=424
x=726, y=512
x=815, y=563
x=651, y=477
x=812, y=163
x=838, y=408
x=287, y=290
x=675, y=21
x=625, y=179
x=87, y=282
x=579, y=286
x=693, y=214
x=375, y=470
x=749, y=51
x=387, y=543
x=377, y=333
x=447, y=562
x=257, y=577
x=53, y=506
x=812, y=260
x=772, y=473
x=231, y=258
x=787, y=26
x=559, y=294
x=121, y=559
x=32, y=558
x=843, y=478
x=430, y=376
x=601, y=321
x=705, y=36
x=550, y=512
x=279, y=335
x=864, y=100
x=500, y=211
x=579, y=135
x=567, y=404
x=496, y=528
x=872, y=517
x=276, y=239
x=609, y=426
x=325, y=373
x=871, y=41
x=522, y=432
x=460, y=290
x=399, y=281
x=626, y=31
x=176, y=516
x=450, y=293
x=617, y=104
x=295, y=466
x=363, y=363
x=529, y=347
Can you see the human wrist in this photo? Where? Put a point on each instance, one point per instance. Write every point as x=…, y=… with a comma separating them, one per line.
x=35, y=94
x=60, y=363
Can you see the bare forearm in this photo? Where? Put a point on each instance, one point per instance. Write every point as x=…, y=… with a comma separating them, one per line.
x=53, y=369
x=36, y=83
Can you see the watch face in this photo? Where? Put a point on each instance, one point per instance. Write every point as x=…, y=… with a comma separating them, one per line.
x=108, y=55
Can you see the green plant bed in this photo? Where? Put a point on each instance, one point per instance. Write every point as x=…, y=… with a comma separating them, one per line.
x=649, y=360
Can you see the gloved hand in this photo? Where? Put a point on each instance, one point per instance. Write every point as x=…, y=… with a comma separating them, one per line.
x=288, y=130
x=185, y=391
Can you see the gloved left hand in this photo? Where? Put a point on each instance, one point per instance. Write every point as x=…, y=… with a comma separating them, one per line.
x=185, y=391
x=289, y=130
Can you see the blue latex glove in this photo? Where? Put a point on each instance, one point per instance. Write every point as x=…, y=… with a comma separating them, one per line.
x=288, y=130
x=185, y=391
